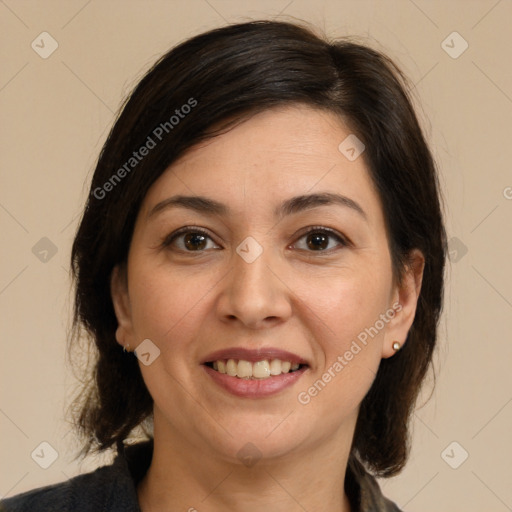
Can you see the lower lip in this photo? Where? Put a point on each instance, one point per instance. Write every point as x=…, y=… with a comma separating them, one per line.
x=254, y=388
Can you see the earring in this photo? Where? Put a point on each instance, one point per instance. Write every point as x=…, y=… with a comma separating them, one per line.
x=125, y=348
x=396, y=346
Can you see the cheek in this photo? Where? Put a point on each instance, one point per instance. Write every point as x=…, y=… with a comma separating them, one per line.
x=344, y=307
x=341, y=318
x=342, y=313
x=169, y=307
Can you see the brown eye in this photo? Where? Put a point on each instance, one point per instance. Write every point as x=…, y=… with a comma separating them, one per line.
x=320, y=239
x=317, y=241
x=190, y=239
x=194, y=241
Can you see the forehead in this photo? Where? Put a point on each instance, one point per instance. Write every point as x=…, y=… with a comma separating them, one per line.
x=268, y=158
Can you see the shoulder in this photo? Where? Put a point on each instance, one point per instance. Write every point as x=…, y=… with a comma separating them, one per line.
x=109, y=488
x=364, y=491
x=64, y=496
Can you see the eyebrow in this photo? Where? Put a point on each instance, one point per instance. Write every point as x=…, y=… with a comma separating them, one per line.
x=309, y=201
x=289, y=207
x=196, y=203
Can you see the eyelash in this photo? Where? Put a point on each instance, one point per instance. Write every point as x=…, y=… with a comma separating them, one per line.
x=184, y=231
x=331, y=233
x=343, y=241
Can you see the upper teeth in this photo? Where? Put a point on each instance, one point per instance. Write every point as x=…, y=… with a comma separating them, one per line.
x=258, y=370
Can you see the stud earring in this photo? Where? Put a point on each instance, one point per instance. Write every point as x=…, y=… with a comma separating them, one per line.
x=396, y=346
x=126, y=347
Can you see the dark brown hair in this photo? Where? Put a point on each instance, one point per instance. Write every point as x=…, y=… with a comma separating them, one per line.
x=224, y=76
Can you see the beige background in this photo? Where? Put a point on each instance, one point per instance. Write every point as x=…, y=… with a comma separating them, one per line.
x=55, y=116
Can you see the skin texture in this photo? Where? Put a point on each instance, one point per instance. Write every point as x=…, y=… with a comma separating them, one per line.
x=309, y=302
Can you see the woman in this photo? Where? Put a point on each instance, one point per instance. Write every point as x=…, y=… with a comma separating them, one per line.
x=260, y=266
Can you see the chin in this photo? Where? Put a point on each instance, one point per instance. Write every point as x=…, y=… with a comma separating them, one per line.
x=263, y=436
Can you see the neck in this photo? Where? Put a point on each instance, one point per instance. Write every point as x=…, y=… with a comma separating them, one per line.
x=183, y=477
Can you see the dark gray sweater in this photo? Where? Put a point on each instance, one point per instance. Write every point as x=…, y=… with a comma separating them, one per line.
x=113, y=488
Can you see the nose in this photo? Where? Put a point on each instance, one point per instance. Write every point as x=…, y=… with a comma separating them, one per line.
x=254, y=294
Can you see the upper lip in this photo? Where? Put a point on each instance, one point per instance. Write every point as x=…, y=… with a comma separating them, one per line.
x=253, y=355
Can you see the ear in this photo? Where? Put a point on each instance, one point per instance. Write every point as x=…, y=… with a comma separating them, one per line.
x=122, y=307
x=404, y=303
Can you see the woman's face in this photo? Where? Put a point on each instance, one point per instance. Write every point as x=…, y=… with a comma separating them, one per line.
x=259, y=251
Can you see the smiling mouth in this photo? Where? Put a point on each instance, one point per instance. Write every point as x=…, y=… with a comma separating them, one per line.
x=258, y=370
